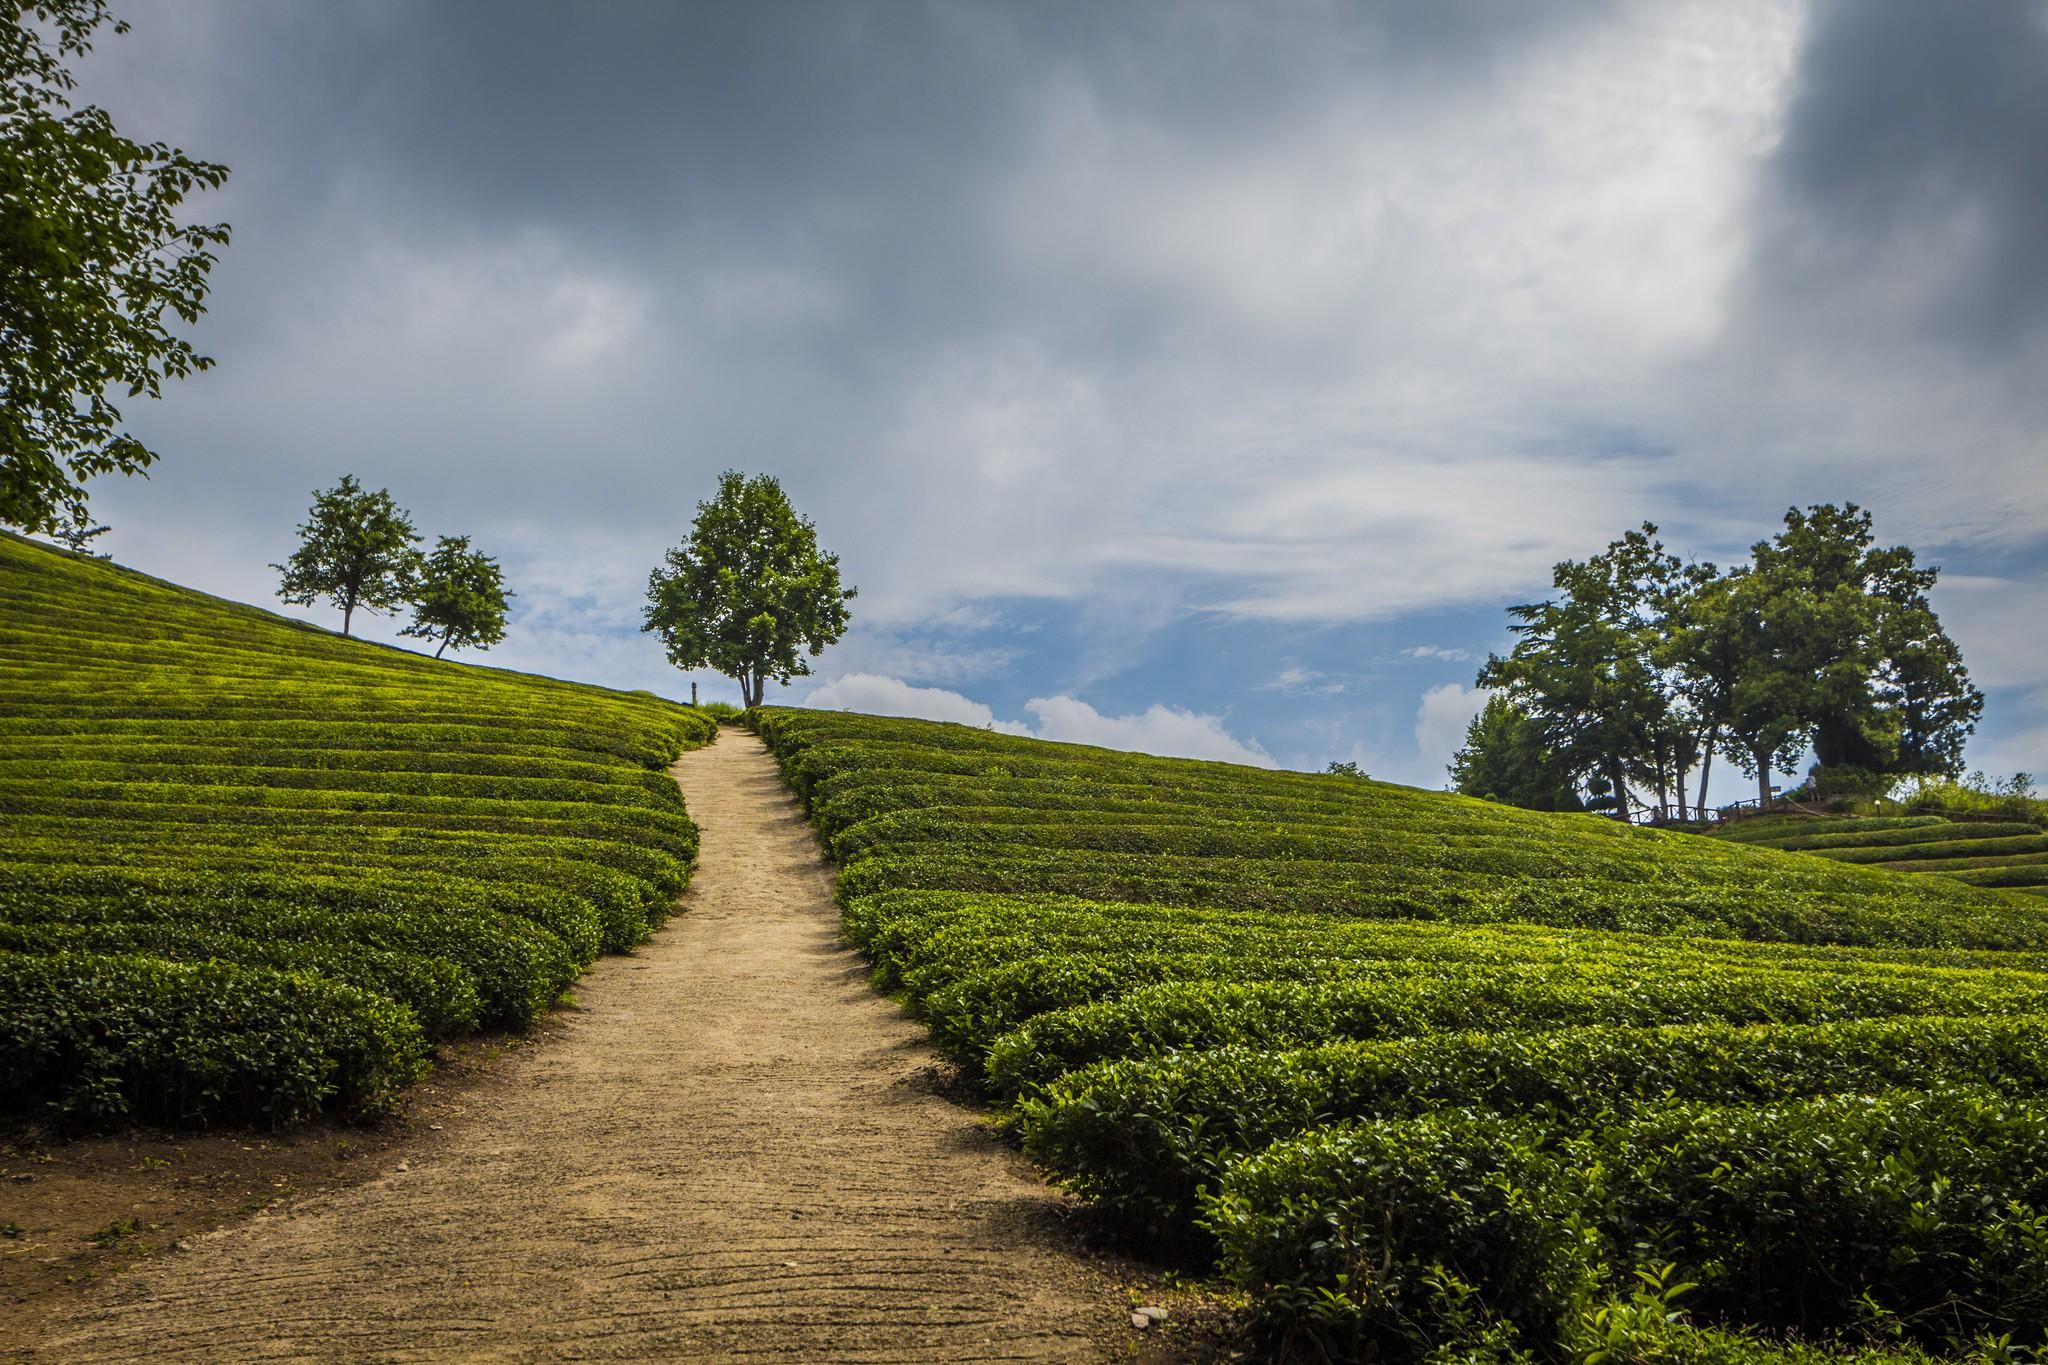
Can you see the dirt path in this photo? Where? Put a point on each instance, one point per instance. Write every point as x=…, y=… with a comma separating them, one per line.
x=732, y=1152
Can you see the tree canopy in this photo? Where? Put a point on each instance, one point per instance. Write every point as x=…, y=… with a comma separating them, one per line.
x=96, y=262
x=357, y=549
x=460, y=598
x=750, y=593
x=1505, y=759
x=1641, y=666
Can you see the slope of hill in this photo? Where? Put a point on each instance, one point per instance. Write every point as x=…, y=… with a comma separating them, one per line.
x=1991, y=851
x=250, y=870
x=1420, y=1071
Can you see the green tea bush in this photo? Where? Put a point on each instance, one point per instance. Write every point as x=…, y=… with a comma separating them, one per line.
x=97, y=1040
x=1928, y=1208
x=1142, y=1138
x=1447, y=1080
x=207, y=812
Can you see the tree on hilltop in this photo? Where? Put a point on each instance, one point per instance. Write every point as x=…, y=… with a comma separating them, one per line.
x=95, y=258
x=1585, y=674
x=1888, y=692
x=750, y=592
x=1641, y=666
x=460, y=598
x=356, y=549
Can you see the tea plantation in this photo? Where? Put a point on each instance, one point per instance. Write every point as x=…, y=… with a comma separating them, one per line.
x=1426, y=1074
x=250, y=871
x=1994, y=851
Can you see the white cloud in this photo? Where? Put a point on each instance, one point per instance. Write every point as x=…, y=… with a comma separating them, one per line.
x=1170, y=731
x=875, y=695
x=1447, y=653
x=1165, y=730
x=1297, y=681
x=1441, y=720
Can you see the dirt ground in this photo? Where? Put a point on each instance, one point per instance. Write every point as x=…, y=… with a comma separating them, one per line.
x=73, y=1213
x=729, y=1148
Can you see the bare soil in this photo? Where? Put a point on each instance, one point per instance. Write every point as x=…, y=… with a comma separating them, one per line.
x=730, y=1148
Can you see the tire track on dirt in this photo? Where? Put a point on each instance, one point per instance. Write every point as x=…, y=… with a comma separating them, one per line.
x=728, y=1153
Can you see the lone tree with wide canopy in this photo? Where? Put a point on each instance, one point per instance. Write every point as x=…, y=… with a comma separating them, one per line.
x=357, y=549
x=750, y=593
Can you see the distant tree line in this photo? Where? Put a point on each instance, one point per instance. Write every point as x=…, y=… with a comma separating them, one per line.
x=1642, y=667
x=358, y=549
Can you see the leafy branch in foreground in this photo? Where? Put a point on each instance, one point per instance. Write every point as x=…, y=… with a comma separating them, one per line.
x=96, y=260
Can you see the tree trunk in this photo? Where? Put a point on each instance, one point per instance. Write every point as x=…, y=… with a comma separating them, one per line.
x=1763, y=779
x=444, y=645
x=1621, y=801
x=1706, y=767
x=348, y=611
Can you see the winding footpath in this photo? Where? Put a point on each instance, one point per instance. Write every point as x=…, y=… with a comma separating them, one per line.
x=729, y=1150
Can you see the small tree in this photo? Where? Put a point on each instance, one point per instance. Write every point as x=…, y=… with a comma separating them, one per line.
x=95, y=261
x=356, y=549
x=1505, y=759
x=750, y=592
x=460, y=598
x=77, y=536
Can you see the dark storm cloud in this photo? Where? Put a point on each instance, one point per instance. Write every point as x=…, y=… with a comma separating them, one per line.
x=855, y=136
x=1918, y=128
x=1138, y=312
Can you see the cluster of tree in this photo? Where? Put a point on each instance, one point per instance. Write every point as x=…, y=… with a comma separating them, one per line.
x=95, y=259
x=749, y=593
x=1643, y=667
x=359, y=549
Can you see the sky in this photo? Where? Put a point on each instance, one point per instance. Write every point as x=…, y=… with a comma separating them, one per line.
x=1193, y=377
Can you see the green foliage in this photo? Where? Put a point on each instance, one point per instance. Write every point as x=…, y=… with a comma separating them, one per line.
x=112, y=1039
x=96, y=257
x=1988, y=837
x=356, y=548
x=249, y=869
x=1442, y=1079
x=1925, y=1209
x=459, y=598
x=1356, y=1240
x=1584, y=672
x=750, y=592
x=1506, y=759
x=1640, y=667
x=1977, y=794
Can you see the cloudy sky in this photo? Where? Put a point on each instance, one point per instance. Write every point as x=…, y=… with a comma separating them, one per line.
x=1197, y=377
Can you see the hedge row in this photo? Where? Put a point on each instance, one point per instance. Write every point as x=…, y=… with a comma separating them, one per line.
x=1438, y=1076
x=250, y=871
x=1141, y=1139
x=1930, y=1209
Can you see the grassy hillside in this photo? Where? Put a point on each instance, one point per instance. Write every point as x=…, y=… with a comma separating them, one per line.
x=1417, y=1069
x=2001, y=851
x=250, y=870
